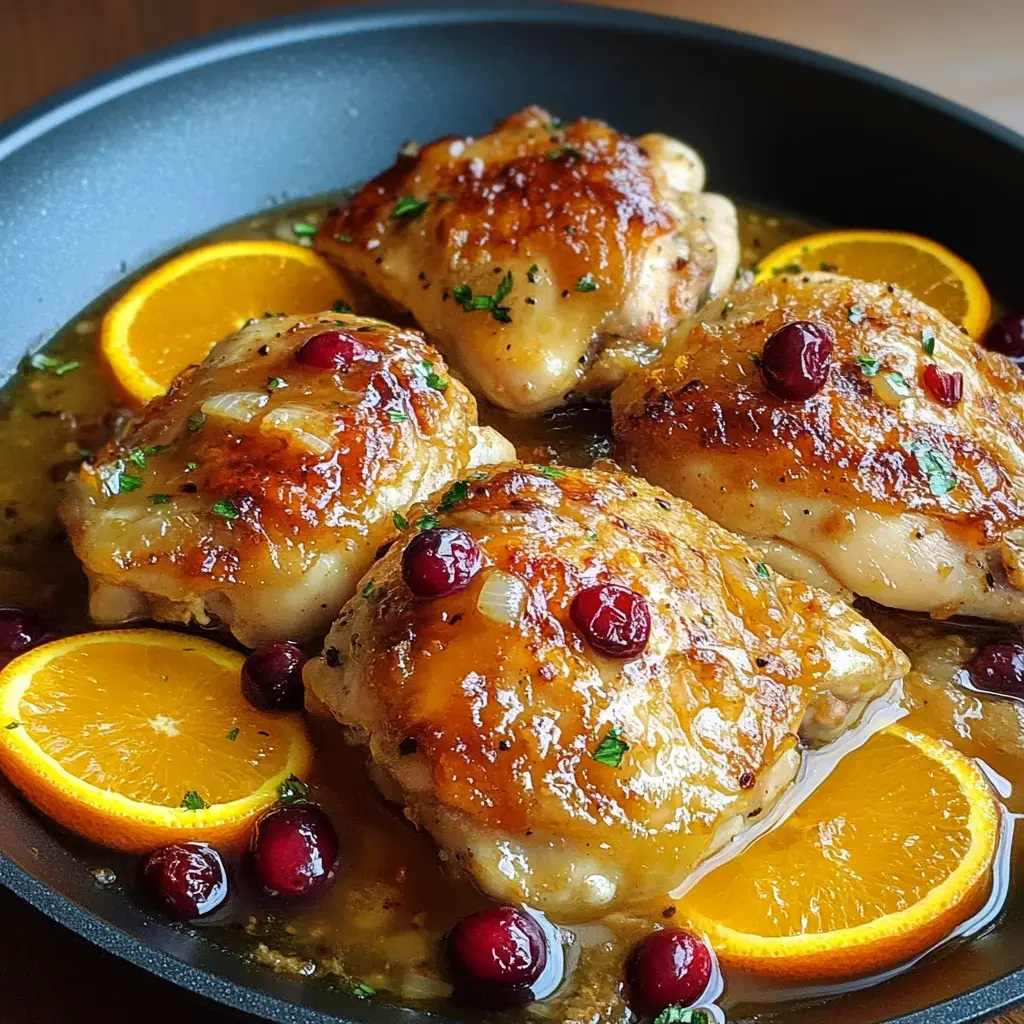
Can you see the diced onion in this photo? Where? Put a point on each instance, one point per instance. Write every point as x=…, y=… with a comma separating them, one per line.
x=303, y=426
x=238, y=406
x=501, y=597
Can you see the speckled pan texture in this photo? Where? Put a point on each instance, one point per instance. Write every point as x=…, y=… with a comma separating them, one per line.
x=102, y=180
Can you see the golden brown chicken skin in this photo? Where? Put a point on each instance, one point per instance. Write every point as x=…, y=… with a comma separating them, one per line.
x=544, y=259
x=256, y=492
x=555, y=773
x=873, y=483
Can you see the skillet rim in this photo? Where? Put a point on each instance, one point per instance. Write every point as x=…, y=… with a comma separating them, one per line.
x=25, y=127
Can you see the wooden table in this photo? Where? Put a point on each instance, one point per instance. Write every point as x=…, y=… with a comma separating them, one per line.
x=967, y=51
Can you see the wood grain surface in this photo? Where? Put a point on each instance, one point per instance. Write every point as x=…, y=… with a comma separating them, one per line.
x=969, y=52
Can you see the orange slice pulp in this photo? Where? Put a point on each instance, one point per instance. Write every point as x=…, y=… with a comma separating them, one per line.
x=173, y=316
x=135, y=738
x=881, y=862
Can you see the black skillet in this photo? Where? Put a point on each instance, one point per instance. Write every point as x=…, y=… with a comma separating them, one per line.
x=105, y=178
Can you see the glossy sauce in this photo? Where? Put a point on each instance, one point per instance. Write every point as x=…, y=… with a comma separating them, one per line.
x=383, y=921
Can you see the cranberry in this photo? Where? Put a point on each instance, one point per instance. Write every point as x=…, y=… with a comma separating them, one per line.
x=20, y=629
x=999, y=668
x=796, y=359
x=331, y=350
x=946, y=388
x=440, y=561
x=496, y=955
x=185, y=880
x=272, y=677
x=1006, y=336
x=668, y=968
x=294, y=850
x=614, y=620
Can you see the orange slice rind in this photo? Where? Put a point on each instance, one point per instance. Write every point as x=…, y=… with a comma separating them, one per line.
x=136, y=738
x=928, y=270
x=885, y=859
x=173, y=316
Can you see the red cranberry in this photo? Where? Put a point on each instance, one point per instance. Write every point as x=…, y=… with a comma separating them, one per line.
x=999, y=668
x=440, y=561
x=1006, y=336
x=796, y=359
x=20, y=629
x=185, y=880
x=614, y=620
x=946, y=388
x=272, y=677
x=496, y=955
x=294, y=850
x=668, y=968
x=331, y=350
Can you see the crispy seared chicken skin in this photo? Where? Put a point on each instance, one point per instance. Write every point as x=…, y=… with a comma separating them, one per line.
x=256, y=492
x=871, y=484
x=486, y=727
x=545, y=260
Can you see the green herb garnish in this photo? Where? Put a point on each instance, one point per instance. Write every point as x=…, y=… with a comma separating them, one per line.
x=531, y=274
x=128, y=482
x=276, y=383
x=829, y=268
x=12, y=725
x=159, y=499
x=707, y=618
x=677, y=1015
x=855, y=314
x=434, y=380
x=139, y=455
x=586, y=284
x=401, y=523
x=195, y=422
x=869, y=365
x=427, y=522
x=458, y=491
x=232, y=734
x=41, y=361
x=466, y=300
x=789, y=268
x=341, y=306
x=409, y=207
x=565, y=153
x=928, y=341
x=345, y=240
x=292, y=789
x=226, y=508
x=552, y=472
x=367, y=588
x=192, y=801
x=361, y=990
x=396, y=416
x=935, y=465
x=611, y=749
x=304, y=230
x=898, y=383
x=763, y=571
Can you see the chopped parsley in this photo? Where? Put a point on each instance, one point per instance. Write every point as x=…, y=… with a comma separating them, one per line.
x=276, y=383
x=611, y=749
x=409, y=207
x=426, y=522
x=531, y=274
x=469, y=303
x=586, y=284
x=195, y=422
x=592, y=536
x=12, y=725
x=677, y=1015
x=458, y=491
x=928, y=341
x=345, y=240
x=552, y=472
x=41, y=361
x=829, y=268
x=192, y=801
x=763, y=571
x=935, y=466
x=434, y=380
x=396, y=416
x=226, y=508
x=788, y=268
x=401, y=523
x=341, y=306
x=232, y=734
x=367, y=588
x=707, y=618
x=159, y=499
x=898, y=383
x=565, y=153
x=128, y=482
x=855, y=314
x=291, y=790
x=361, y=990
x=191, y=467
x=869, y=365
x=304, y=230
x=139, y=455
x=444, y=197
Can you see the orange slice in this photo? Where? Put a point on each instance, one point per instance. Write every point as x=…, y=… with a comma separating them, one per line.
x=926, y=269
x=135, y=738
x=174, y=315
x=882, y=861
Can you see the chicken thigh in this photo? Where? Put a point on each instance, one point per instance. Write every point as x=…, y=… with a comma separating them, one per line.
x=545, y=259
x=256, y=492
x=556, y=769
x=887, y=481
